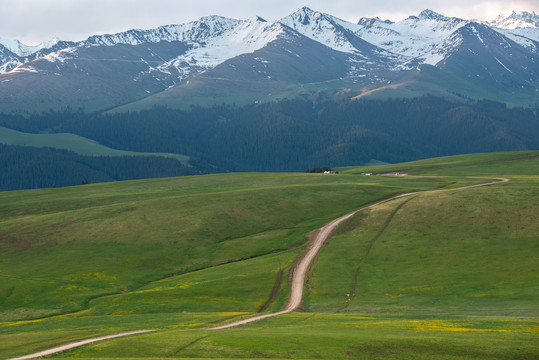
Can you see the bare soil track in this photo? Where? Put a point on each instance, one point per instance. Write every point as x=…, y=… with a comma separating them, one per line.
x=298, y=278
x=77, y=344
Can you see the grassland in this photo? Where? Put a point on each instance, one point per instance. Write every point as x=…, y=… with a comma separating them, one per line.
x=75, y=143
x=447, y=275
x=431, y=80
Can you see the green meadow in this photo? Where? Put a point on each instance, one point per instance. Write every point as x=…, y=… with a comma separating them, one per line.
x=445, y=275
x=75, y=143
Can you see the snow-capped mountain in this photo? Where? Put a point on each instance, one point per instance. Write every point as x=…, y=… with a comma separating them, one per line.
x=205, y=44
x=212, y=39
x=491, y=58
x=522, y=28
x=327, y=30
x=513, y=20
x=300, y=51
x=416, y=36
x=23, y=50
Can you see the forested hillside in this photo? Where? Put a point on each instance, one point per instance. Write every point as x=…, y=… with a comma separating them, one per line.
x=288, y=135
x=29, y=167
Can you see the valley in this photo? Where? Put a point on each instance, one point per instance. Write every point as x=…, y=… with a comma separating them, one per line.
x=299, y=188
x=453, y=267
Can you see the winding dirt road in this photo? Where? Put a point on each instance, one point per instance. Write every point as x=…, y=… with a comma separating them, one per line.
x=77, y=344
x=298, y=278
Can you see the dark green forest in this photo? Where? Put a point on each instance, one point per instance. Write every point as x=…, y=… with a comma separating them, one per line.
x=30, y=167
x=286, y=135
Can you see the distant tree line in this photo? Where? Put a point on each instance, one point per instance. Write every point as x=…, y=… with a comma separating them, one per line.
x=286, y=135
x=29, y=167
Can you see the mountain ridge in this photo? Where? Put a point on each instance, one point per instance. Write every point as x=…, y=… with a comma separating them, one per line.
x=373, y=53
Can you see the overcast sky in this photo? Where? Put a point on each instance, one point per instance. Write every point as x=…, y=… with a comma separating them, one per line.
x=34, y=21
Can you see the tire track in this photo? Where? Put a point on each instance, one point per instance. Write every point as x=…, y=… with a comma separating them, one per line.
x=376, y=237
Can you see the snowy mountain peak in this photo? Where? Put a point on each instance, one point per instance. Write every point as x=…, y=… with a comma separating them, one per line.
x=367, y=22
x=211, y=26
x=428, y=14
x=20, y=49
x=304, y=16
x=217, y=21
x=515, y=20
x=426, y=38
x=215, y=40
x=323, y=28
x=413, y=37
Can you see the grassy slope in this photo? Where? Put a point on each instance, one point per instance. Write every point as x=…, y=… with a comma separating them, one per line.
x=418, y=289
x=72, y=244
x=515, y=163
x=451, y=253
x=437, y=82
x=75, y=143
x=477, y=245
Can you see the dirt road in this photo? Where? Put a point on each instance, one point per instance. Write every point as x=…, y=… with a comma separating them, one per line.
x=298, y=278
x=77, y=344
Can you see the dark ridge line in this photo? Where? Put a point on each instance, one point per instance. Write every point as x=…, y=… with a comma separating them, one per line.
x=445, y=186
x=308, y=317
x=9, y=293
x=187, y=345
x=274, y=291
x=376, y=237
x=85, y=306
x=86, y=303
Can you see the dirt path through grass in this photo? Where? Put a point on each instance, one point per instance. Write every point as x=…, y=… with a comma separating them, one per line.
x=77, y=344
x=298, y=278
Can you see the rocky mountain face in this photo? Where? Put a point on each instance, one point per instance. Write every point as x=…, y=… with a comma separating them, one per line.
x=256, y=60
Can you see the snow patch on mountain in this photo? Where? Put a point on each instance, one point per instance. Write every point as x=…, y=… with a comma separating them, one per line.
x=437, y=54
x=324, y=28
x=428, y=14
x=247, y=37
x=9, y=66
x=412, y=37
x=371, y=44
x=515, y=20
x=204, y=29
x=525, y=37
x=244, y=37
x=22, y=50
x=57, y=56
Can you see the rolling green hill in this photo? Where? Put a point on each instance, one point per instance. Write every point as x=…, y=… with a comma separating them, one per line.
x=75, y=143
x=441, y=275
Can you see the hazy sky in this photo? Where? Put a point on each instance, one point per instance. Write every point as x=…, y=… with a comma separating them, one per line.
x=34, y=21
